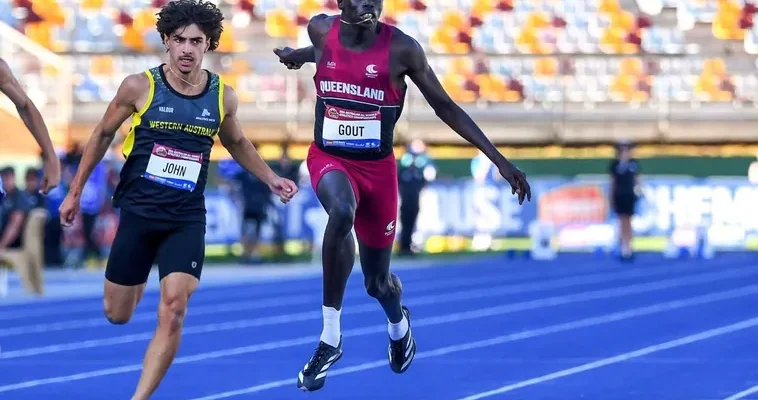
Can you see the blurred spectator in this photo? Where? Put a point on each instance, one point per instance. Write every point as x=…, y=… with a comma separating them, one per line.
x=286, y=169
x=79, y=240
x=624, y=171
x=92, y=202
x=415, y=171
x=256, y=198
x=13, y=211
x=33, y=196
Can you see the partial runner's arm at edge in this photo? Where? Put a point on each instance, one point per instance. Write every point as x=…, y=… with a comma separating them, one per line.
x=239, y=146
x=28, y=112
x=119, y=109
x=303, y=55
x=421, y=73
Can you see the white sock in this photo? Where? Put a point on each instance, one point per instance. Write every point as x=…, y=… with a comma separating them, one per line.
x=398, y=330
x=331, y=332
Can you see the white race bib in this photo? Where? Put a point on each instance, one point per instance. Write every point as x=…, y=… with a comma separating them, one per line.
x=353, y=129
x=175, y=168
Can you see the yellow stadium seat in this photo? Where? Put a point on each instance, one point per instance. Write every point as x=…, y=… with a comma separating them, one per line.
x=133, y=39
x=280, y=24
x=92, y=4
x=546, y=67
x=228, y=43
x=463, y=66
x=493, y=88
x=229, y=78
x=714, y=66
x=453, y=85
x=481, y=8
x=455, y=19
x=613, y=41
x=609, y=6
x=708, y=84
x=623, y=87
x=623, y=20
x=445, y=40
x=726, y=22
x=528, y=41
x=240, y=66
x=102, y=65
x=537, y=20
x=40, y=33
x=308, y=8
x=144, y=20
x=50, y=11
x=393, y=8
x=708, y=88
x=630, y=66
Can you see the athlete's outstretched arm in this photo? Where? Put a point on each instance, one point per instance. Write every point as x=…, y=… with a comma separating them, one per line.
x=295, y=58
x=32, y=118
x=120, y=108
x=243, y=151
x=318, y=27
x=421, y=73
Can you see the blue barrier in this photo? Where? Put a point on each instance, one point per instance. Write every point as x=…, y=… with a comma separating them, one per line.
x=578, y=209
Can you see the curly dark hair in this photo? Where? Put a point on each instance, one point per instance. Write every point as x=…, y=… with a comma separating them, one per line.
x=180, y=13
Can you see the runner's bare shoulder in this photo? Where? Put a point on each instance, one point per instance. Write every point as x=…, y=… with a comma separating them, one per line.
x=319, y=26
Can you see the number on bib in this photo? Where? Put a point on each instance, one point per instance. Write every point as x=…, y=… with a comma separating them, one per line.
x=174, y=168
x=352, y=129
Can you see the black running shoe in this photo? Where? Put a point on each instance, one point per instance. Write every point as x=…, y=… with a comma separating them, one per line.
x=402, y=352
x=313, y=375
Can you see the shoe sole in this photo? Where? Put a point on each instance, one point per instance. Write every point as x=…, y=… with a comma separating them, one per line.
x=301, y=385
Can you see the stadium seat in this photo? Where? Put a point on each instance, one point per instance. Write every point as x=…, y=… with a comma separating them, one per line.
x=726, y=22
x=536, y=50
x=281, y=24
x=710, y=83
x=92, y=4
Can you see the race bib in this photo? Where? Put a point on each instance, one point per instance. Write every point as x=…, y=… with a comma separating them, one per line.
x=353, y=129
x=175, y=168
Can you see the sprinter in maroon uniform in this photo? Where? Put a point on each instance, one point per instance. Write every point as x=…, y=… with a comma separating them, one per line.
x=360, y=84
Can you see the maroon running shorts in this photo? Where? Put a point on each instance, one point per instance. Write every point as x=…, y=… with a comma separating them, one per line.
x=376, y=193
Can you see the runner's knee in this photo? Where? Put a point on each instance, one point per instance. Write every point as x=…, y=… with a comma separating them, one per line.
x=341, y=217
x=117, y=313
x=172, y=310
x=120, y=301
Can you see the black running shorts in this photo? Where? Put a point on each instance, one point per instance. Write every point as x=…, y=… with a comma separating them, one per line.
x=624, y=204
x=140, y=242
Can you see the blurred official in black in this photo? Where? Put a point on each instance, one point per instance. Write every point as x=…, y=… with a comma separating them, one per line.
x=625, y=189
x=416, y=169
x=285, y=168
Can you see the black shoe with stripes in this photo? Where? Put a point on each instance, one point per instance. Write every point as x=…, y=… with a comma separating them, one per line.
x=313, y=375
x=402, y=352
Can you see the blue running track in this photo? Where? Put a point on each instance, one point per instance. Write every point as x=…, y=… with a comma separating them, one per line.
x=575, y=328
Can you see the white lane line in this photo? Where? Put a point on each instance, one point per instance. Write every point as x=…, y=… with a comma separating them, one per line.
x=94, y=304
x=449, y=318
x=290, y=300
x=743, y=394
x=416, y=301
x=697, y=337
x=528, y=334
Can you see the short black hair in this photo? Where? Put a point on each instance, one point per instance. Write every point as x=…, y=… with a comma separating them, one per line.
x=180, y=13
x=32, y=173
